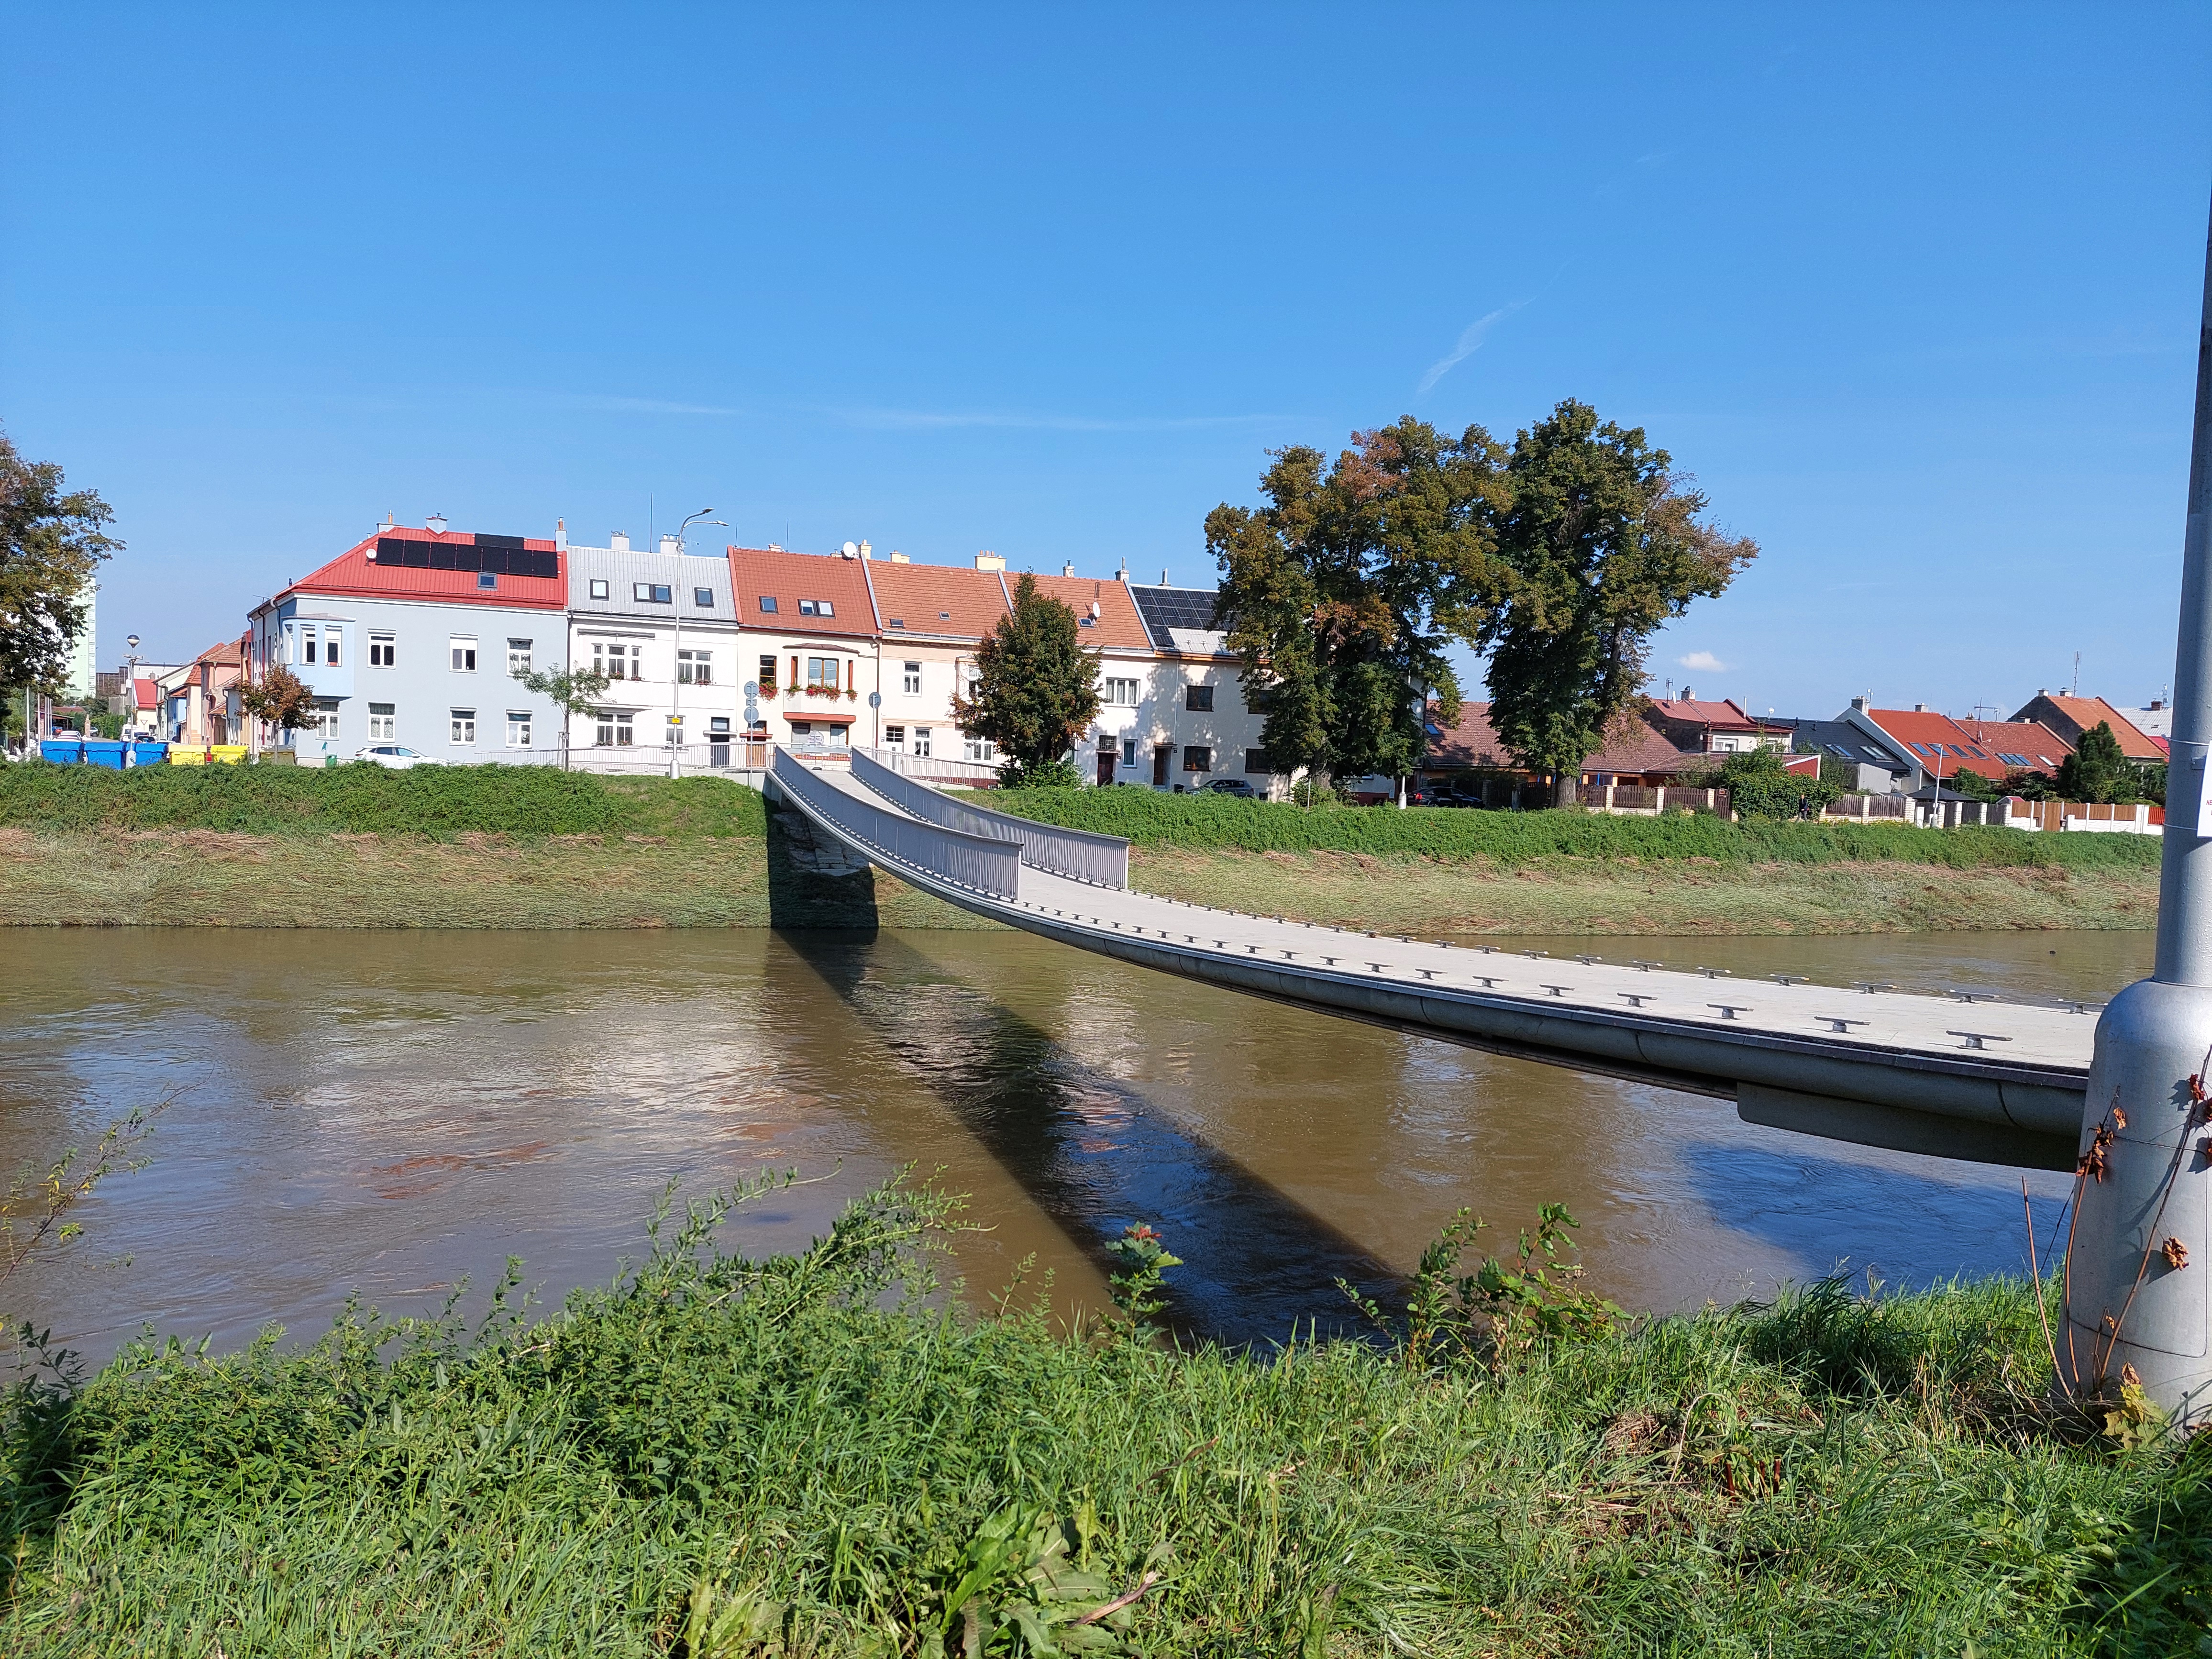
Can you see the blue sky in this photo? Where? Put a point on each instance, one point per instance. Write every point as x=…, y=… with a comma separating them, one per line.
x=1913, y=292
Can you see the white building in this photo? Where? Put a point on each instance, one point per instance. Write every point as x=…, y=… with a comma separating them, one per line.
x=662, y=626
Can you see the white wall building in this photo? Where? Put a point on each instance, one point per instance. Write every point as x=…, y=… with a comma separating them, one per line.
x=663, y=627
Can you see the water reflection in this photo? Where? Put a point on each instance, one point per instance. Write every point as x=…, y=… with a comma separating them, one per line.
x=389, y=1112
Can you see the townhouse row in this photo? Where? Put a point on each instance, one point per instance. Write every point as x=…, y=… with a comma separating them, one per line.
x=419, y=637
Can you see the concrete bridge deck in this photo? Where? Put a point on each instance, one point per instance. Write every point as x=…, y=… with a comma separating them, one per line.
x=1992, y=1081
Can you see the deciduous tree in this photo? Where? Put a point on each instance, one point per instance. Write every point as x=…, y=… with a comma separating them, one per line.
x=279, y=697
x=52, y=541
x=1602, y=541
x=2097, y=770
x=1342, y=596
x=1036, y=687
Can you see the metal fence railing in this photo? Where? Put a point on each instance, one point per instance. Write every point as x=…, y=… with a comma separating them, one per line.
x=932, y=768
x=979, y=863
x=1102, y=860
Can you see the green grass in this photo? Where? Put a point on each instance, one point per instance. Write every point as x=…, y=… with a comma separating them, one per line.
x=438, y=801
x=843, y=1470
x=1150, y=819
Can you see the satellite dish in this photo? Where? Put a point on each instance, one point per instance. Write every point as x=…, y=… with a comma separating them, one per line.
x=851, y=549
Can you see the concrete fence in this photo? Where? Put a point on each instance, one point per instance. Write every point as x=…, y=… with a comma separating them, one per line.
x=1650, y=801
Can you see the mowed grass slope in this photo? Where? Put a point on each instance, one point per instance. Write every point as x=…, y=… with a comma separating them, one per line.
x=847, y=1472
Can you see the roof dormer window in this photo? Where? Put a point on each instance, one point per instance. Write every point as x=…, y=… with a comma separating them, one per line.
x=767, y=604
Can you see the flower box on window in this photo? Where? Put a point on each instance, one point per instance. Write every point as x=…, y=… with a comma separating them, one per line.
x=768, y=689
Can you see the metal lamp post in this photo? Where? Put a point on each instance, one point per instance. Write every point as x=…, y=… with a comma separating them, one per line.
x=2139, y=1274
x=676, y=666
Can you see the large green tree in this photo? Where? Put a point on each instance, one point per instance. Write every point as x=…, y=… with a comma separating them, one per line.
x=1602, y=542
x=2098, y=769
x=1036, y=689
x=1342, y=596
x=52, y=541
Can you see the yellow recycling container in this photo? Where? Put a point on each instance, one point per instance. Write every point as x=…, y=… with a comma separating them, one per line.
x=229, y=754
x=180, y=756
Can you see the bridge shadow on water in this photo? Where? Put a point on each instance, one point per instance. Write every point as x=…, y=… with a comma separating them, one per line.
x=1095, y=1155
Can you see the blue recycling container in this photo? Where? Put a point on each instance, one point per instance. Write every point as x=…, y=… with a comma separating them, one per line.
x=104, y=751
x=148, y=754
x=62, y=752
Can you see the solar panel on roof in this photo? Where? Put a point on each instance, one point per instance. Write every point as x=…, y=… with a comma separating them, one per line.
x=513, y=542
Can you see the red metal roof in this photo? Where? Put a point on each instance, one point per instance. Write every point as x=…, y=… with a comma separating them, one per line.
x=789, y=579
x=937, y=598
x=355, y=574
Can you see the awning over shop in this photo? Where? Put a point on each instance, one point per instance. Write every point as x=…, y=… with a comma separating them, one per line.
x=832, y=717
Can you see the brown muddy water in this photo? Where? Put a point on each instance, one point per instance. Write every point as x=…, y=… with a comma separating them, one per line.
x=390, y=1113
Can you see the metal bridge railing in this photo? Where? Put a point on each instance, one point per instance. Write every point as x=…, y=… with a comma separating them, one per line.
x=1102, y=860
x=979, y=863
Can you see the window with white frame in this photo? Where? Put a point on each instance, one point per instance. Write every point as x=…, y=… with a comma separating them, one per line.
x=382, y=651
x=911, y=679
x=652, y=593
x=921, y=741
x=331, y=635
x=323, y=722
x=619, y=661
x=383, y=723
x=517, y=657
x=1121, y=693
x=464, y=728
x=980, y=749
x=694, y=668
x=816, y=608
x=310, y=645
x=894, y=736
x=617, y=730
x=824, y=673
x=518, y=728
x=464, y=657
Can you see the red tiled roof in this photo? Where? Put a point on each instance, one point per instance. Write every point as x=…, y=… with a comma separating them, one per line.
x=148, y=694
x=1960, y=749
x=2043, y=747
x=1722, y=716
x=1632, y=745
x=937, y=598
x=1471, y=743
x=759, y=573
x=2085, y=713
x=355, y=574
x=1118, y=628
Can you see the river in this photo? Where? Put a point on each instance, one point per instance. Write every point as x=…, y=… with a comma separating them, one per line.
x=392, y=1113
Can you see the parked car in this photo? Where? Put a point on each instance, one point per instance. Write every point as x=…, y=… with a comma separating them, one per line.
x=391, y=755
x=1229, y=786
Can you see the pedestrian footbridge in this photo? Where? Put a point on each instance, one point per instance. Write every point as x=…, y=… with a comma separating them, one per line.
x=1969, y=1078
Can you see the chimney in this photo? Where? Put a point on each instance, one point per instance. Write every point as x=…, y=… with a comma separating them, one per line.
x=619, y=542
x=901, y=558
x=1067, y=569
x=989, y=561
x=1919, y=707
x=561, y=534
x=1860, y=704
x=2157, y=703
x=1688, y=695
x=436, y=524
x=868, y=552
x=672, y=543
x=1164, y=578
x=387, y=525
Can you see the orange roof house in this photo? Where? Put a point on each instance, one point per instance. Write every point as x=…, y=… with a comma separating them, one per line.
x=946, y=601
x=2070, y=717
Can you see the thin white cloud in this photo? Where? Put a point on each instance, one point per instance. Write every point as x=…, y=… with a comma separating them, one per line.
x=924, y=420
x=1470, y=342
x=1705, y=662
x=615, y=406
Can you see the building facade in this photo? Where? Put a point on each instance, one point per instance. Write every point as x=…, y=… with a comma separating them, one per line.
x=809, y=647
x=662, y=627
x=414, y=637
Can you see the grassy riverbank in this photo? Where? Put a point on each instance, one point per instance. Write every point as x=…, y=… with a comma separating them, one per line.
x=1823, y=1477
x=516, y=846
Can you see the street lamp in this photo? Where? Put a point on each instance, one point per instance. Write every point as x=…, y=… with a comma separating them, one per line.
x=676, y=669
x=2138, y=1309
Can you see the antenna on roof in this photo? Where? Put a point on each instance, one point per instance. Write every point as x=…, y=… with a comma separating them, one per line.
x=2077, y=673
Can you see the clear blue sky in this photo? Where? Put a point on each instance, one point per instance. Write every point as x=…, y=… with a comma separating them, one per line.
x=1913, y=292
